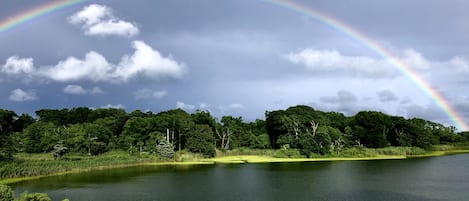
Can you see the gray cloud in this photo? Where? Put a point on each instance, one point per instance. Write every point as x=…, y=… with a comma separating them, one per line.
x=343, y=97
x=387, y=96
x=146, y=93
x=19, y=95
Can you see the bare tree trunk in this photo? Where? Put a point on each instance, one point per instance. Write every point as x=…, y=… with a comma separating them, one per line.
x=314, y=126
x=167, y=135
x=179, y=141
x=172, y=137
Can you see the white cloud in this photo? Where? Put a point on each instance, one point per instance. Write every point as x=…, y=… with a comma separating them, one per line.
x=387, y=96
x=120, y=27
x=149, y=94
x=332, y=60
x=145, y=61
x=118, y=106
x=148, y=62
x=20, y=95
x=79, y=90
x=91, y=14
x=93, y=67
x=74, y=90
x=460, y=64
x=15, y=65
x=99, y=20
x=415, y=59
x=184, y=106
x=204, y=106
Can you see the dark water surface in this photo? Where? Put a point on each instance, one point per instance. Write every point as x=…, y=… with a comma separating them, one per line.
x=437, y=178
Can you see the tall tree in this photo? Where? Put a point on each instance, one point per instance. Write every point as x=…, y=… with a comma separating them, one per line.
x=6, y=130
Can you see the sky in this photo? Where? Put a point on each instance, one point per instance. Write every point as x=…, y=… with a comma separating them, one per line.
x=236, y=57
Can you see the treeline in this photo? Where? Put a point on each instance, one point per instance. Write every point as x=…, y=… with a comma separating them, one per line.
x=312, y=132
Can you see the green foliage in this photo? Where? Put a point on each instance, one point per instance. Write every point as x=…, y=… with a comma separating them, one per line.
x=184, y=155
x=165, y=150
x=145, y=135
x=6, y=130
x=34, y=197
x=372, y=128
x=200, y=140
x=287, y=152
x=6, y=193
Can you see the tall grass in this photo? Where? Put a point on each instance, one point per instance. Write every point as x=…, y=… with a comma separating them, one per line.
x=28, y=165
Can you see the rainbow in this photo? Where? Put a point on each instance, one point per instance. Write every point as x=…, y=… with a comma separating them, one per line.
x=36, y=12
x=44, y=9
x=376, y=47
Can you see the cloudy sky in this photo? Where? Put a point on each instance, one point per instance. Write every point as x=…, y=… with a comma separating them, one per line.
x=235, y=57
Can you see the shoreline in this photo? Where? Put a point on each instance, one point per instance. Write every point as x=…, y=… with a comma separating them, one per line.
x=240, y=159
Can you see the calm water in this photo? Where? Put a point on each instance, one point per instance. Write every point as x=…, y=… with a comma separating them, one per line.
x=439, y=178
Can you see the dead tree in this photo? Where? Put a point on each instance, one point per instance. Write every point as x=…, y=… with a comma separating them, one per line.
x=314, y=126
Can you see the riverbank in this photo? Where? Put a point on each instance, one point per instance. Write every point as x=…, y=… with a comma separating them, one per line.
x=35, y=166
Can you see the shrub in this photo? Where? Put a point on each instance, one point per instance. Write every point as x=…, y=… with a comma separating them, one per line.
x=34, y=197
x=6, y=193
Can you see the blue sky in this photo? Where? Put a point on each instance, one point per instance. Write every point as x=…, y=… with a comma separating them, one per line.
x=235, y=57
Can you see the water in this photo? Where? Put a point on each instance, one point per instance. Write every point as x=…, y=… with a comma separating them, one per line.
x=438, y=178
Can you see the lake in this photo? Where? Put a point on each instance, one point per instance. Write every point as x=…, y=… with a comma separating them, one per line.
x=423, y=179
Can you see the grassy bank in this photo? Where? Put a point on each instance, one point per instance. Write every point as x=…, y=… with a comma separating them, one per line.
x=34, y=166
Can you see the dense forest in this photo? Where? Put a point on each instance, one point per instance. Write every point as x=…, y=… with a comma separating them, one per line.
x=311, y=132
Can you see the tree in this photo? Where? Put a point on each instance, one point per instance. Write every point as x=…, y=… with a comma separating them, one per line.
x=372, y=128
x=22, y=122
x=199, y=140
x=6, y=130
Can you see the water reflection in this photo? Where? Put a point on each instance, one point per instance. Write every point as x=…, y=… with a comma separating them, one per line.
x=440, y=178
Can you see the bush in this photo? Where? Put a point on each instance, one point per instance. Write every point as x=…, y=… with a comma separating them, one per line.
x=185, y=155
x=287, y=152
x=165, y=150
x=34, y=197
x=6, y=193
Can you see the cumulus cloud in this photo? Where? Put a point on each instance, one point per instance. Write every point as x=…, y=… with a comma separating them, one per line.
x=148, y=62
x=93, y=67
x=74, y=90
x=15, y=66
x=118, y=106
x=19, y=95
x=332, y=61
x=321, y=61
x=79, y=90
x=149, y=94
x=144, y=62
x=387, y=96
x=184, y=106
x=98, y=19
